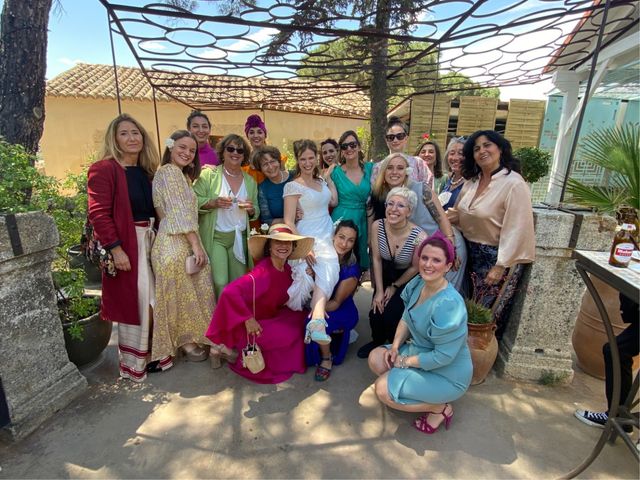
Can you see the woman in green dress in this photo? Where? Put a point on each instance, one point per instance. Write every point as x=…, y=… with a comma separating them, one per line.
x=352, y=179
x=227, y=201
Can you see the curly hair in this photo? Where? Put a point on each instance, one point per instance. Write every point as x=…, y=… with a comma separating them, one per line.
x=470, y=168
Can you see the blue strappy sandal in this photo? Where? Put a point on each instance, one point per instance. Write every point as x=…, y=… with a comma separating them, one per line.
x=316, y=332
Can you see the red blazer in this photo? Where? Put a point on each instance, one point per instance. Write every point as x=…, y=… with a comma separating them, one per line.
x=112, y=220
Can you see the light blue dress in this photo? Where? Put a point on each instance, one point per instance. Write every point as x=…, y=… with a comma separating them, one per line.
x=438, y=330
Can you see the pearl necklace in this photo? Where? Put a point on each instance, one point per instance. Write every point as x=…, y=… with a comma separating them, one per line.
x=455, y=183
x=229, y=173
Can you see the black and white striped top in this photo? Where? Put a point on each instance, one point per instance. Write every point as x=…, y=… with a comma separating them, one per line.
x=404, y=254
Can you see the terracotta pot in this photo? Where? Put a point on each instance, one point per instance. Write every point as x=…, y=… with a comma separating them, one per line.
x=589, y=334
x=484, y=350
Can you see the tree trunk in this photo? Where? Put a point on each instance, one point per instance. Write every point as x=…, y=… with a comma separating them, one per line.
x=23, y=63
x=378, y=90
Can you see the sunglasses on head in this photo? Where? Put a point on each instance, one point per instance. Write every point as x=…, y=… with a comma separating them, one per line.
x=231, y=149
x=392, y=136
x=351, y=145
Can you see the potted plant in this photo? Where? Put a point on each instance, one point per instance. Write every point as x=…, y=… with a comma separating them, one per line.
x=23, y=188
x=617, y=150
x=481, y=326
x=534, y=163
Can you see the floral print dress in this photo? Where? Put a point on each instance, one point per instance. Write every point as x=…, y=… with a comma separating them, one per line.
x=184, y=303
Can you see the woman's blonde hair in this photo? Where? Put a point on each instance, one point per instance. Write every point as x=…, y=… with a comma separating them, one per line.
x=409, y=195
x=380, y=187
x=148, y=158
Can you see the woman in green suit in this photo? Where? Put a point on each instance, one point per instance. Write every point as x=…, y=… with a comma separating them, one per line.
x=227, y=201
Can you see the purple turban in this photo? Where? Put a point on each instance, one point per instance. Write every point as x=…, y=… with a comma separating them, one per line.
x=440, y=242
x=254, y=121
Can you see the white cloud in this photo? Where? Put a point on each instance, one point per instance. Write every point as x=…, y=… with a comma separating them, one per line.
x=212, y=53
x=260, y=36
x=151, y=45
x=68, y=62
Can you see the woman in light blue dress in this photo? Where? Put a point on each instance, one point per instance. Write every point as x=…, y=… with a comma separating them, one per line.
x=428, y=364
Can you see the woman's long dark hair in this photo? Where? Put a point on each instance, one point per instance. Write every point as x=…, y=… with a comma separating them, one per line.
x=192, y=170
x=354, y=256
x=469, y=167
x=343, y=137
x=437, y=167
x=301, y=146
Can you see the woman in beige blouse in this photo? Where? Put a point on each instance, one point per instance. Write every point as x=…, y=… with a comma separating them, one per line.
x=494, y=213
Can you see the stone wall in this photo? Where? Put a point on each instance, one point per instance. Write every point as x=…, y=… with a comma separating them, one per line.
x=538, y=337
x=37, y=376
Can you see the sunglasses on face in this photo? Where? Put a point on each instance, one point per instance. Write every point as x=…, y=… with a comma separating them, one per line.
x=392, y=136
x=351, y=145
x=234, y=150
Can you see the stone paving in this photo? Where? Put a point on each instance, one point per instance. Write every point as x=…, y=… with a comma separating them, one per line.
x=194, y=422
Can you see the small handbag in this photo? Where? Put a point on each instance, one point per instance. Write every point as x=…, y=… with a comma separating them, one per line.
x=252, y=358
x=191, y=266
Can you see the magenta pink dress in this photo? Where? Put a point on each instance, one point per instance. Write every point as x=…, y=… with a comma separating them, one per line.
x=282, y=337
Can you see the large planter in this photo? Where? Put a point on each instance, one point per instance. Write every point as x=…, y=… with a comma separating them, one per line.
x=77, y=259
x=589, y=334
x=484, y=350
x=96, y=335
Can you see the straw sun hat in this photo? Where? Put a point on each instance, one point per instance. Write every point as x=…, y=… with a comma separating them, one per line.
x=282, y=232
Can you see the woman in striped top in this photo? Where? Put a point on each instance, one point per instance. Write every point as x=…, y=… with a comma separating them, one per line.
x=393, y=241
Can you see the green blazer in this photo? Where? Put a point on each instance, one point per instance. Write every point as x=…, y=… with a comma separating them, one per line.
x=207, y=187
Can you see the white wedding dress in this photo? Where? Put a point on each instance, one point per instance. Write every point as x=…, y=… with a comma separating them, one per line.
x=316, y=223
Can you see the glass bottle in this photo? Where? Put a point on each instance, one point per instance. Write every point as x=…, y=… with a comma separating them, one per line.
x=624, y=241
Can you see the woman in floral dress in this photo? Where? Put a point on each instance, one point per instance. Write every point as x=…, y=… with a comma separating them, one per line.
x=184, y=302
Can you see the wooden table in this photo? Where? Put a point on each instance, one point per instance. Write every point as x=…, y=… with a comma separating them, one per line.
x=627, y=282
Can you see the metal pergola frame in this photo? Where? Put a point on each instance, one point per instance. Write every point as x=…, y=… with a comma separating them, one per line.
x=492, y=42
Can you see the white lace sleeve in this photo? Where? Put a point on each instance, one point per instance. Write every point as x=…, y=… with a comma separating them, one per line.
x=292, y=188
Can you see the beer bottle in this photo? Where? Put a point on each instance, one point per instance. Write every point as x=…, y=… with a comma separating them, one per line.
x=624, y=242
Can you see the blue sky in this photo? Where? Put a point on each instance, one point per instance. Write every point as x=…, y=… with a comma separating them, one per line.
x=79, y=33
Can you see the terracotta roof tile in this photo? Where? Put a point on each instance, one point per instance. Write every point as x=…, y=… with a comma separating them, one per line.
x=212, y=92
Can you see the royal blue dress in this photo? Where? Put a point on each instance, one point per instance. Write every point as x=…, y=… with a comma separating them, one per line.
x=438, y=330
x=344, y=318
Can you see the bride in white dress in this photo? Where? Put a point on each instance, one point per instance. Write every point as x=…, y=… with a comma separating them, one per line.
x=314, y=196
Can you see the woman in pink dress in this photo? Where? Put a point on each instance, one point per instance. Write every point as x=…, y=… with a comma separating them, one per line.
x=279, y=331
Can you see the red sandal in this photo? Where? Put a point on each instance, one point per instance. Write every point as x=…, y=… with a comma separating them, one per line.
x=323, y=373
x=422, y=424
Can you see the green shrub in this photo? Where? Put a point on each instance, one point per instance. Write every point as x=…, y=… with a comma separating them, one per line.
x=23, y=188
x=477, y=314
x=534, y=162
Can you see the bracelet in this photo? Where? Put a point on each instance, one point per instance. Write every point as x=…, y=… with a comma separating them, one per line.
x=403, y=359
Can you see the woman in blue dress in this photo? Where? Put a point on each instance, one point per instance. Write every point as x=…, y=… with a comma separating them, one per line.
x=341, y=309
x=267, y=160
x=428, y=364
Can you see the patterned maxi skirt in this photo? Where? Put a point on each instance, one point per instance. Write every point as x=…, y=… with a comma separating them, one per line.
x=133, y=340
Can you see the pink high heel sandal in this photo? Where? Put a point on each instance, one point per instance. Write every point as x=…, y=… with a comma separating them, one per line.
x=422, y=424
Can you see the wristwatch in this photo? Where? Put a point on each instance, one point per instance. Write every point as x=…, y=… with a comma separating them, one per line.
x=395, y=285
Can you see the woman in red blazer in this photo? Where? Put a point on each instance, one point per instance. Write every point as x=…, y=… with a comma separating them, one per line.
x=121, y=212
